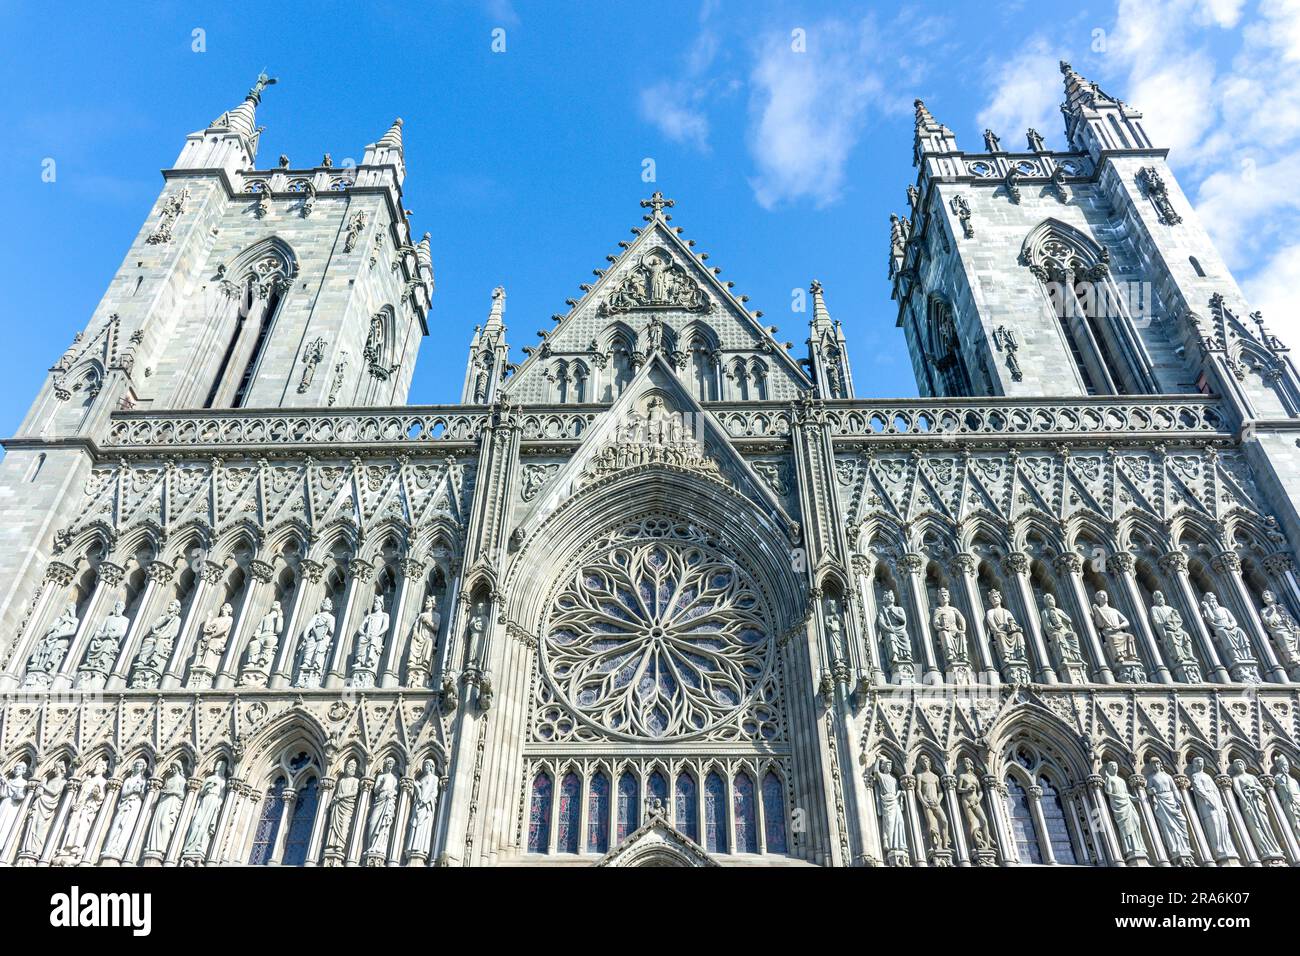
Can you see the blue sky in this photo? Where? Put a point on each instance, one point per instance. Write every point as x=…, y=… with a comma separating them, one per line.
x=526, y=166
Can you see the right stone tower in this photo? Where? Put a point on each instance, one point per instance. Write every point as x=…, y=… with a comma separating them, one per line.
x=1032, y=272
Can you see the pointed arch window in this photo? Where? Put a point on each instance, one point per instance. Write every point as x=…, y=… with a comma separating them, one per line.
x=297, y=840
x=1021, y=816
x=539, y=814
x=686, y=798
x=268, y=824
x=256, y=296
x=1091, y=314
x=746, y=813
x=656, y=788
x=628, y=815
x=774, y=814
x=598, y=814
x=568, y=823
x=943, y=358
x=715, y=814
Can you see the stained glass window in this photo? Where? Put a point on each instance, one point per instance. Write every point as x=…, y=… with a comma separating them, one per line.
x=298, y=837
x=746, y=811
x=774, y=814
x=568, y=823
x=688, y=819
x=1058, y=831
x=268, y=824
x=598, y=814
x=1022, y=823
x=656, y=788
x=539, y=815
x=628, y=817
x=715, y=814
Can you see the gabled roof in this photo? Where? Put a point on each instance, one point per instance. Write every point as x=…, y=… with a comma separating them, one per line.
x=657, y=843
x=596, y=300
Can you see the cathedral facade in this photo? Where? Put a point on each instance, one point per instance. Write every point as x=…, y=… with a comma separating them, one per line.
x=668, y=591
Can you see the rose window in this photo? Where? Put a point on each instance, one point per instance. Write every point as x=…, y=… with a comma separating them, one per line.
x=656, y=633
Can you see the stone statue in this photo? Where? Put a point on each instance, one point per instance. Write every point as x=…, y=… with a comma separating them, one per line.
x=1167, y=807
x=52, y=648
x=893, y=818
x=166, y=812
x=262, y=647
x=203, y=825
x=370, y=644
x=1035, y=140
x=129, y=801
x=1233, y=640
x=101, y=652
x=930, y=795
x=971, y=795
x=210, y=646
x=992, y=142
x=81, y=818
x=1114, y=629
x=891, y=623
x=342, y=807
x=12, y=790
x=383, y=809
x=424, y=642
x=834, y=629
x=1286, y=788
x=1253, y=801
x=315, y=643
x=1059, y=630
x=1169, y=629
x=949, y=626
x=1210, y=808
x=1009, y=639
x=45, y=804
x=423, y=809
x=1283, y=629
x=156, y=648
x=477, y=631
x=1124, y=810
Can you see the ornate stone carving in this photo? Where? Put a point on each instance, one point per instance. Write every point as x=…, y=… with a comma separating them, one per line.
x=1154, y=186
x=1168, y=624
x=1232, y=640
x=656, y=282
x=1121, y=645
x=173, y=208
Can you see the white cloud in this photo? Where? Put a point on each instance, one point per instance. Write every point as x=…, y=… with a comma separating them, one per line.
x=807, y=110
x=669, y=106
x=1272, y=291
x=1027, y=93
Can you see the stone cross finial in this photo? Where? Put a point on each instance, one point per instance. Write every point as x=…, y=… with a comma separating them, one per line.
x=657, y=202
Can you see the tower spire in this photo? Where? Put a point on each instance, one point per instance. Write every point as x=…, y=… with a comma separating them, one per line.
x=489, y=355
x=242, y=120
x=1095, y=121
x=828, y=357
x=931, y=135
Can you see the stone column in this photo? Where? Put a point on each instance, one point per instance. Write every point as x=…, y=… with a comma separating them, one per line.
x=957, y=825
x=220, y=842
x=192, y=785
x=907, y=783
x=356, y=841
x=246, y=616
x=995, y=808
x=1122, y=564
x=912, y=566
x=359, y=575
x=1101, y=806
x=290, y=798
x=963, y=567
x=208, y=577
x=317, y=837
x=390, y=666
x=1069, y=567
x=1174, y=564
x=396, y=839
x=1279, y=819
x=1154, y=840
x=112, y=791
x=1228, y=566
x=148, y=800
x=1236, y=825
x=1200, y=844
x=1035, y=794
x=870, y=639
x=311, y=573
x=1016, y=567
x=159, y=576
x=108, y=576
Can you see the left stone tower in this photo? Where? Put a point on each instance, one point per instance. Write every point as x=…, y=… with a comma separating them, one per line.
x=246, y=287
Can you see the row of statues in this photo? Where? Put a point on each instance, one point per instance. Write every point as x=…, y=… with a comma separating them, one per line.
x=948, y=628
x=1218, y=801
x=46, y=795
x=159, y=640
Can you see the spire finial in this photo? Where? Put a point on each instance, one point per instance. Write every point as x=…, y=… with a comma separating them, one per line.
x=393, y=138
x=263, y=81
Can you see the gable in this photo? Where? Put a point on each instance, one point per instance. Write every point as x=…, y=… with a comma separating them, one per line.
x=656, y=298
